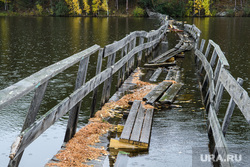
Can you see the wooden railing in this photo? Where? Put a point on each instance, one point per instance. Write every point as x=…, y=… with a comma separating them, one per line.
x=194, y=31
x=131, y=48
x=215, y=77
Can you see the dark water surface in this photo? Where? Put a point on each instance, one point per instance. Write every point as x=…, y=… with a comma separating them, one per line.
x=30, y=44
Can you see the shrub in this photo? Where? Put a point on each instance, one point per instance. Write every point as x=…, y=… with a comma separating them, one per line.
x=230, y=12
x=246, y=11
x=61, y=9
x=39, y=9
x=214, y=12
x=138, y=12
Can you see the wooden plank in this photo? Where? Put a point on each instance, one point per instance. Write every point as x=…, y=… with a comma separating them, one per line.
x=208, y=70
x=110, y=78
x=171, y=92
x=119, y=76
x=73, y=115
x=31, y=116
x=229, y=111
x=95, y=91
x=121, y=160
x=167, y=64
x=162, y=55
x=23, y=87
x=202, y=45
x=156, y=95
x=45, y=121
x=239, y=95
x=136, y=133
x=155, y=75
x=171, y=75
x=146, y=128
x=220, y=54
x=160, y=87
x=220, y=143
x=125, y=136
x=141, y=41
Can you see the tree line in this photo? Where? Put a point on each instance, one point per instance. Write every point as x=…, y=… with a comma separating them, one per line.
x=176, y=8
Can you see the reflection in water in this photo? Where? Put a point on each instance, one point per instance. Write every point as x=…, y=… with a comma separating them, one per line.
x=29, y=44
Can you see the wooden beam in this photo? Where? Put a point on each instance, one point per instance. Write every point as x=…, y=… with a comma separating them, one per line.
x=237, y=93
x=23, y=87
x=155, y=75
x=125, y=136
x=73, y=115
x=229, y=112
x=171, y=92
x=146, y=128
x=95, y=91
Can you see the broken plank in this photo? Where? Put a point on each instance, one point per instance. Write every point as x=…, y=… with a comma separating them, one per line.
x=160, y=64
x=130, y=121
x=146, y=128
x=169, y=95
x=114, y=143
x=171, y=75
x=162, y=55
x=155, y=75
x=135, y=136
x=157, y=94
x=161, y=87
x=121, y=160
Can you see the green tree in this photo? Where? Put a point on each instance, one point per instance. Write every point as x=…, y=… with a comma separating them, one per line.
x=206, y=6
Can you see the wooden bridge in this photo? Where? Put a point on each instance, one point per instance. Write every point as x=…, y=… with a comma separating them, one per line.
x=122, y=58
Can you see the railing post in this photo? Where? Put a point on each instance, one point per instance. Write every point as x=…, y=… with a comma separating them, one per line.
x=141, y=41
x=98, y=70
x=106, y=85
x=120, y=72
x=230, y=110
x=31, y=116
x=73, y=114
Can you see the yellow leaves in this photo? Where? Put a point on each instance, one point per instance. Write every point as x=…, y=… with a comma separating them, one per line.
x=95, y=6
x=74, y=7
x=86, y=6
x=104, y=5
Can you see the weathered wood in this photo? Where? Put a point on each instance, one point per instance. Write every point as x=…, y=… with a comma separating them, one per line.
x=110, y=78
x=208, y=70
x=45, y=121
x=202, y=45
x=155, y=75
x=171, y=75
x=162, y=55
x=146, y=128
x=156, y=95
x=23, y=87
x=160, y=87
x=30, y=117
x=95, y=91
x=136, y=133
x=141, y=41
x=171, y=92
x=167, y=64
x=105, y=85
x=120, y=73
x=73, y=115
x=220, y=143
x=229, y=111
x=121, y=160
x=125, y=136
x=237, y=93
x=178, y=76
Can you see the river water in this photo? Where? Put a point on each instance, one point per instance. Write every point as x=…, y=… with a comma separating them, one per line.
x=28, y=44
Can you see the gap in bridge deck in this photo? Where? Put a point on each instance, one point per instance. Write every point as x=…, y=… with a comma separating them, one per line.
x=175, y=131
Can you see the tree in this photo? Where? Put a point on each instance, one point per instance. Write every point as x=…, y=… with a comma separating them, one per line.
x=206, y=5
x=105, y=6
x=198, y=7
x=86, y=6
x=96, y=6
x=74, y=7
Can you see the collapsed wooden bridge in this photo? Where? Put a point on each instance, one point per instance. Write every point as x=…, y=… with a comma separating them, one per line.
x=131, y=50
